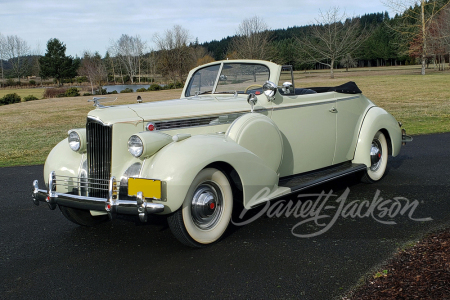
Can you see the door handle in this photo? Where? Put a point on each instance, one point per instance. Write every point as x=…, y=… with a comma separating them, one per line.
x=333, y=110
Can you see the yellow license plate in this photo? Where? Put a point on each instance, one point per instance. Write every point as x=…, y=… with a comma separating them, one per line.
x=150, y=188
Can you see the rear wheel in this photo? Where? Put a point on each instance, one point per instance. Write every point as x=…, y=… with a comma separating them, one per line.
x=378, y=159
x=82, y=217
x=206, y=210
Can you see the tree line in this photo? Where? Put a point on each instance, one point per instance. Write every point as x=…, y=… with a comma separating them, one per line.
x=419, y=32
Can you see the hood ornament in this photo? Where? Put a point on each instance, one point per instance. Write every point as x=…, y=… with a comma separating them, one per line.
x=97, y=102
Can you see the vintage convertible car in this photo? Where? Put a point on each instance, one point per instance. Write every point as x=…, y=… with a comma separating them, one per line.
x=234, y=137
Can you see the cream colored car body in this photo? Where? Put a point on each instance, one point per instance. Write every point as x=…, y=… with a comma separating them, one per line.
x=284, y=136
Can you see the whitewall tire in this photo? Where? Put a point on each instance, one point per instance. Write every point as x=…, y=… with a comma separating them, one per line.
x=206, y=210
x=378, y=159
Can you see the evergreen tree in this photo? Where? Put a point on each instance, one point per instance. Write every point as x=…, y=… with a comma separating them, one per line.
x=56, y=64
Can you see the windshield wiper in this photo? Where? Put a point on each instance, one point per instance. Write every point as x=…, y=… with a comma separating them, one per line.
x=202, y=93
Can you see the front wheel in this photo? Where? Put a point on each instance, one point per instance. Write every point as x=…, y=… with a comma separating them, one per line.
x=206, y=210
x=378, y=159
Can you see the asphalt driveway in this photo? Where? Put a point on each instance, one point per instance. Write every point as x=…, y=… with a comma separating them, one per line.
x=43, y=255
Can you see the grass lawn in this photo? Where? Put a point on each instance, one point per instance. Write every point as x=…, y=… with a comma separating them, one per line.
x=29, y=130
x=37, y=92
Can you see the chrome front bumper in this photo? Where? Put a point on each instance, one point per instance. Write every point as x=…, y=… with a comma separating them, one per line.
x=111, y=205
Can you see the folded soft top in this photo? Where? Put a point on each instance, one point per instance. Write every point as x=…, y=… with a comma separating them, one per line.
x=346, y=88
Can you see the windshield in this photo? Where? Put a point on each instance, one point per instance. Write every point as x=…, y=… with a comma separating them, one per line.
x=243, y=78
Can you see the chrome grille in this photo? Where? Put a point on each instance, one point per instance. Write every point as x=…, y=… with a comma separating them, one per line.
x=99, y=140
x=199, y=121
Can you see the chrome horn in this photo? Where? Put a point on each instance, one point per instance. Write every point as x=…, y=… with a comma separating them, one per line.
x=252, y=100
x=270, y=90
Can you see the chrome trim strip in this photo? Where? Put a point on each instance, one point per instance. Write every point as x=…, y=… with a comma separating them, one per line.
x=95, y=119
x=303, y=105
x=217, y=78
x=348, y=98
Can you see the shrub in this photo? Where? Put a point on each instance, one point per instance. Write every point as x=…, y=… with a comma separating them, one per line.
x=113, y=92
x=141, y=90
x=127, y=90
x=32, y=82
x=179, y=85
x=30, y=98
x=54, y=92
x=126, y=78
x=102, y=92
x=154, y=87
x=10, y=82
x=71, y=92
x=10, y=99
x=81, y=79
x=169, y=86
x=87, y=94
x=68, y=80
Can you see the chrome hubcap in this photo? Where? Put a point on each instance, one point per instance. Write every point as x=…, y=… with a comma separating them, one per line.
x=206, y=205
x=375, y=155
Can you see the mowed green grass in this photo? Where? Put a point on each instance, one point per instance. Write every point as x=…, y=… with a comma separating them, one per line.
x=29, y=130
x=37, y=92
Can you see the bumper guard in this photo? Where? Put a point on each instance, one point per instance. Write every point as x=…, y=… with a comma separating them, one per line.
x=111, y=205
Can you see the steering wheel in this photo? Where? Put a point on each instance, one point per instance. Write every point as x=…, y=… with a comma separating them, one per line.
x=253, y=86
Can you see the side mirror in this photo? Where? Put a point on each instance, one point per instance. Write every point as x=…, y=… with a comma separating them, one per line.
x=252, y=100
x=287, y=88
x=270, y=89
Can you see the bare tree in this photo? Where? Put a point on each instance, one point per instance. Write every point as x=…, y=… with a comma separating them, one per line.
x=415, y=24
x=252, y=40
x=175, y=58
x=16, y=51
x=151, y=62
x=333, y=37
x=2, y=56
x=441, y=32
x=93, y=68
x=129, y=51
x=348, y=62
x=36, y=66
x=200, y=55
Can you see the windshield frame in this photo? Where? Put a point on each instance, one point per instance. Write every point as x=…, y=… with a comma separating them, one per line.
x=188, y=90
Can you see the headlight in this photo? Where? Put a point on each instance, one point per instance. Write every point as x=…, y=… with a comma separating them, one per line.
x=145, y=144
x=135, y=146
x=74, y=141
x=77, y=139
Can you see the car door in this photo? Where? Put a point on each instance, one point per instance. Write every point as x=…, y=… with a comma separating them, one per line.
x=308, y=126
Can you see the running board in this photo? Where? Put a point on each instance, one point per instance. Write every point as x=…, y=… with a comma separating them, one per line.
x=305, y=180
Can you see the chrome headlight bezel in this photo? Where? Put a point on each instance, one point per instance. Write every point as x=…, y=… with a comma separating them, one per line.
x=77, y=140
x=135, y=145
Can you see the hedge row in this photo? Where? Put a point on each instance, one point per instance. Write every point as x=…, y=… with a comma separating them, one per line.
x=14, y=98
x=61, y=92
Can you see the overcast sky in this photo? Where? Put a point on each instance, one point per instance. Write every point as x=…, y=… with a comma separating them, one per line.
x=92, y=24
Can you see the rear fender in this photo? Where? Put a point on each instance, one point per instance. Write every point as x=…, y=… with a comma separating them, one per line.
x=377, y=119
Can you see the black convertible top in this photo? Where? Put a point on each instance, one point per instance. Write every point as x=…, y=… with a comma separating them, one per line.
x=346, y=88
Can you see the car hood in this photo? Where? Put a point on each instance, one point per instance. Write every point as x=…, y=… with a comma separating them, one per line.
x=171, y=109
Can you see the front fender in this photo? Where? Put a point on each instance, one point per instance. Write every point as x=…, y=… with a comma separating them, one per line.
x=178, y=163
x=64, y=161
x=377, y=119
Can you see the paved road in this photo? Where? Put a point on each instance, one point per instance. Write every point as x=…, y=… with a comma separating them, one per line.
x=42, y=255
